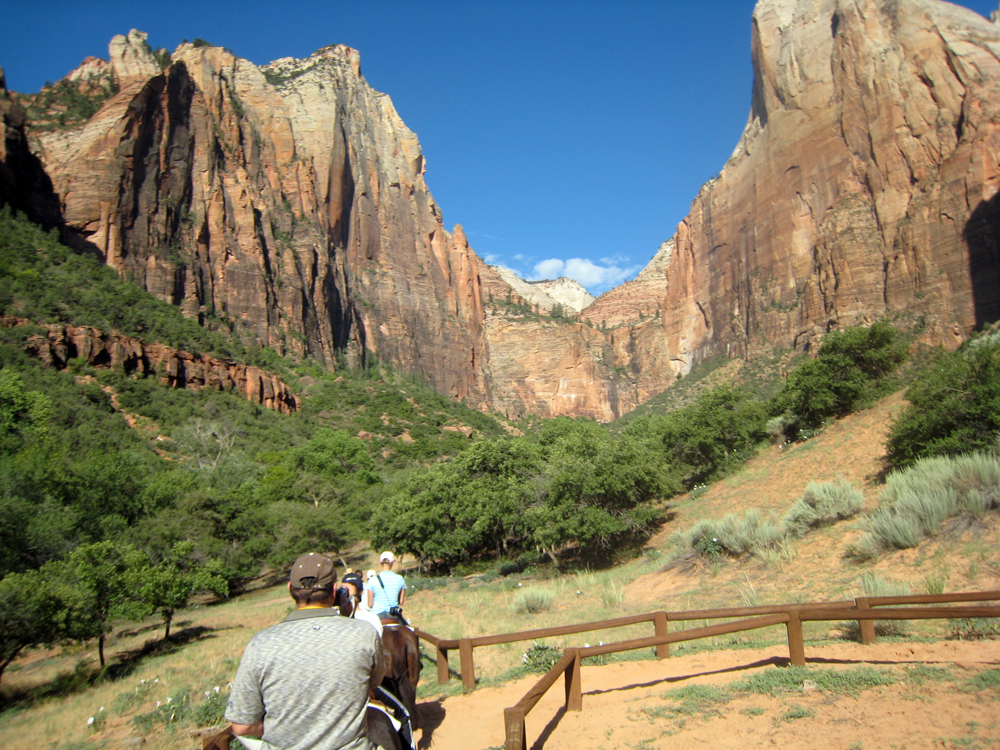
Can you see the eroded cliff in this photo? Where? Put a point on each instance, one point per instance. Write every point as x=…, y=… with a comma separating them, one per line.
x=864, y=185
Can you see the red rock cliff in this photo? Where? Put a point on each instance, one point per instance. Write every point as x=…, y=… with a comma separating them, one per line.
x=286, y=201
x=864, y=185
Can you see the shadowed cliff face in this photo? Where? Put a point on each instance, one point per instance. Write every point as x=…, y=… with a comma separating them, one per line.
x=24, y=185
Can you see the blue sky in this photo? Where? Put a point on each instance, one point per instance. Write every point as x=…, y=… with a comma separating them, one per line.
x=568, y=138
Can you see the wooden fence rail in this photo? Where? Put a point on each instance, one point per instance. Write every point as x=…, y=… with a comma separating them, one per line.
x=792, y=616
x=660, y=622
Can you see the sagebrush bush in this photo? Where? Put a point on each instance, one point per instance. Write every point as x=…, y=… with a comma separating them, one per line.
x=734, y=534
x=822, y=503
x=917, y=500
x=534, y=601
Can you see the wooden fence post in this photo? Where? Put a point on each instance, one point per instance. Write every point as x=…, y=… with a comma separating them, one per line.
x=574, y=685
x=442, y=665
x=867, y=626
x=660, y=626
x=796, y=644
x=467, y=664
x=513, y=727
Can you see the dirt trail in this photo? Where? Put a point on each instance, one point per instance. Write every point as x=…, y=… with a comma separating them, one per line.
x=621, y=702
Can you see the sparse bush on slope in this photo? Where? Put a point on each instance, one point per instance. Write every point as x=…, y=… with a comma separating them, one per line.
x=758, y=533
x=822, y=503
x=916, y=501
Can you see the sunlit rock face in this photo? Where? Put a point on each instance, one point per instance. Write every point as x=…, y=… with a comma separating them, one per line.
x=864, y=185
x=288, y=201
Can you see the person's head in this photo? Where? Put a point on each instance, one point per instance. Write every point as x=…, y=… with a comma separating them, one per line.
x=311, y=580
x=346, y=597
x=386, y=559
x=353, y=583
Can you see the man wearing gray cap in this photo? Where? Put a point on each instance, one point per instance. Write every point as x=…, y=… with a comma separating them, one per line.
x=303, y=684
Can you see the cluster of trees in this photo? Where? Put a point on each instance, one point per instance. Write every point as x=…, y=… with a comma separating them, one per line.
x=723, y=426
x=954, y=405
x=571, y=484
x=78, y=597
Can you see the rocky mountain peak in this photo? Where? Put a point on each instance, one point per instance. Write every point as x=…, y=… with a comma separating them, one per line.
x=131, y=56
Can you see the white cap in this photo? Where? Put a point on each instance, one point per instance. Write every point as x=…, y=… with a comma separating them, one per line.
x=387, y=557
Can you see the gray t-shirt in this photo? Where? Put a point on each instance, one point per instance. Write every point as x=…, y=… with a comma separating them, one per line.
x=309, y=678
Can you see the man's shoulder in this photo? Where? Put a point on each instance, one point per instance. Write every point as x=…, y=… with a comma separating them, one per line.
x=290, y=629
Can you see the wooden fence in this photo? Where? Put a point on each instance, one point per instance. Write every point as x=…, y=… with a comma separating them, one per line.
x=863, y=609
x=792, y=616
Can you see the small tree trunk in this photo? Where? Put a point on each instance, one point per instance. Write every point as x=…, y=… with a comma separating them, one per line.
x=551, y=552
x=100, y=648
x=168, y=615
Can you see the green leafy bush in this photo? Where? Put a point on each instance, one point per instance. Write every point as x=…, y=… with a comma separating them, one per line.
x=848, y=373
x=954, y=406
x=540, y=658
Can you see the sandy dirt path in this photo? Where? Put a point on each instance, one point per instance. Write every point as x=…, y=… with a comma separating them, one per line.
x=623, y=705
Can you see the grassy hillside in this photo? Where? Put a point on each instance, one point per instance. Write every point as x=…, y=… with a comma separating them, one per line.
x=815, y=567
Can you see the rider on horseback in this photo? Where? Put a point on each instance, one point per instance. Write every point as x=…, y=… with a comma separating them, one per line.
x=387, y=592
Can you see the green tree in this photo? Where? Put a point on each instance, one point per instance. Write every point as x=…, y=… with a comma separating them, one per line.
x=954, y=406
x=722, y=426
x=24, y=415
x=33, y=611
x=167, y=586
x=598, y=490
x=847, y=374
x=102, y=573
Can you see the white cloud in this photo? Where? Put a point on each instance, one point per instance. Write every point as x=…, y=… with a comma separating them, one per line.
x=594, y=277
x=491, y=258
x=549, y=269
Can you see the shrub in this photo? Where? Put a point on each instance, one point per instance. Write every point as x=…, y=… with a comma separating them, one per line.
x=822, y=503
x=540, y=658
x=916, y=501
x=733, y=535
x=848, y=373
x=954, y=406
x=534, y=601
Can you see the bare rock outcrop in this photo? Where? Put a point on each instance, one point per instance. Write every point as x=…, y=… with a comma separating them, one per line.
x=288, y=201
x=634, y=301
x=173, y=368
x=864, y=185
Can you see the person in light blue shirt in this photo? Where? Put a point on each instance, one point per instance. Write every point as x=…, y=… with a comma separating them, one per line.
x=387, y=591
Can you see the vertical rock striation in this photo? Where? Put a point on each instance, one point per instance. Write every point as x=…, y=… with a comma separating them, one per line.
x=286, y=201
x=864, y=185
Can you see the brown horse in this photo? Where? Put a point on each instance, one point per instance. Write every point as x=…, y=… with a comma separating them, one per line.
x=401, y=649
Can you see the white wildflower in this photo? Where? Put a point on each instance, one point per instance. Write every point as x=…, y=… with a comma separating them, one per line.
x=216, y=688
x=90, y=721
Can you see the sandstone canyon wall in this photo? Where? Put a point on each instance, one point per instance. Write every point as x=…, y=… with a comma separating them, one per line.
x=289, y=202
x=864, y=186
